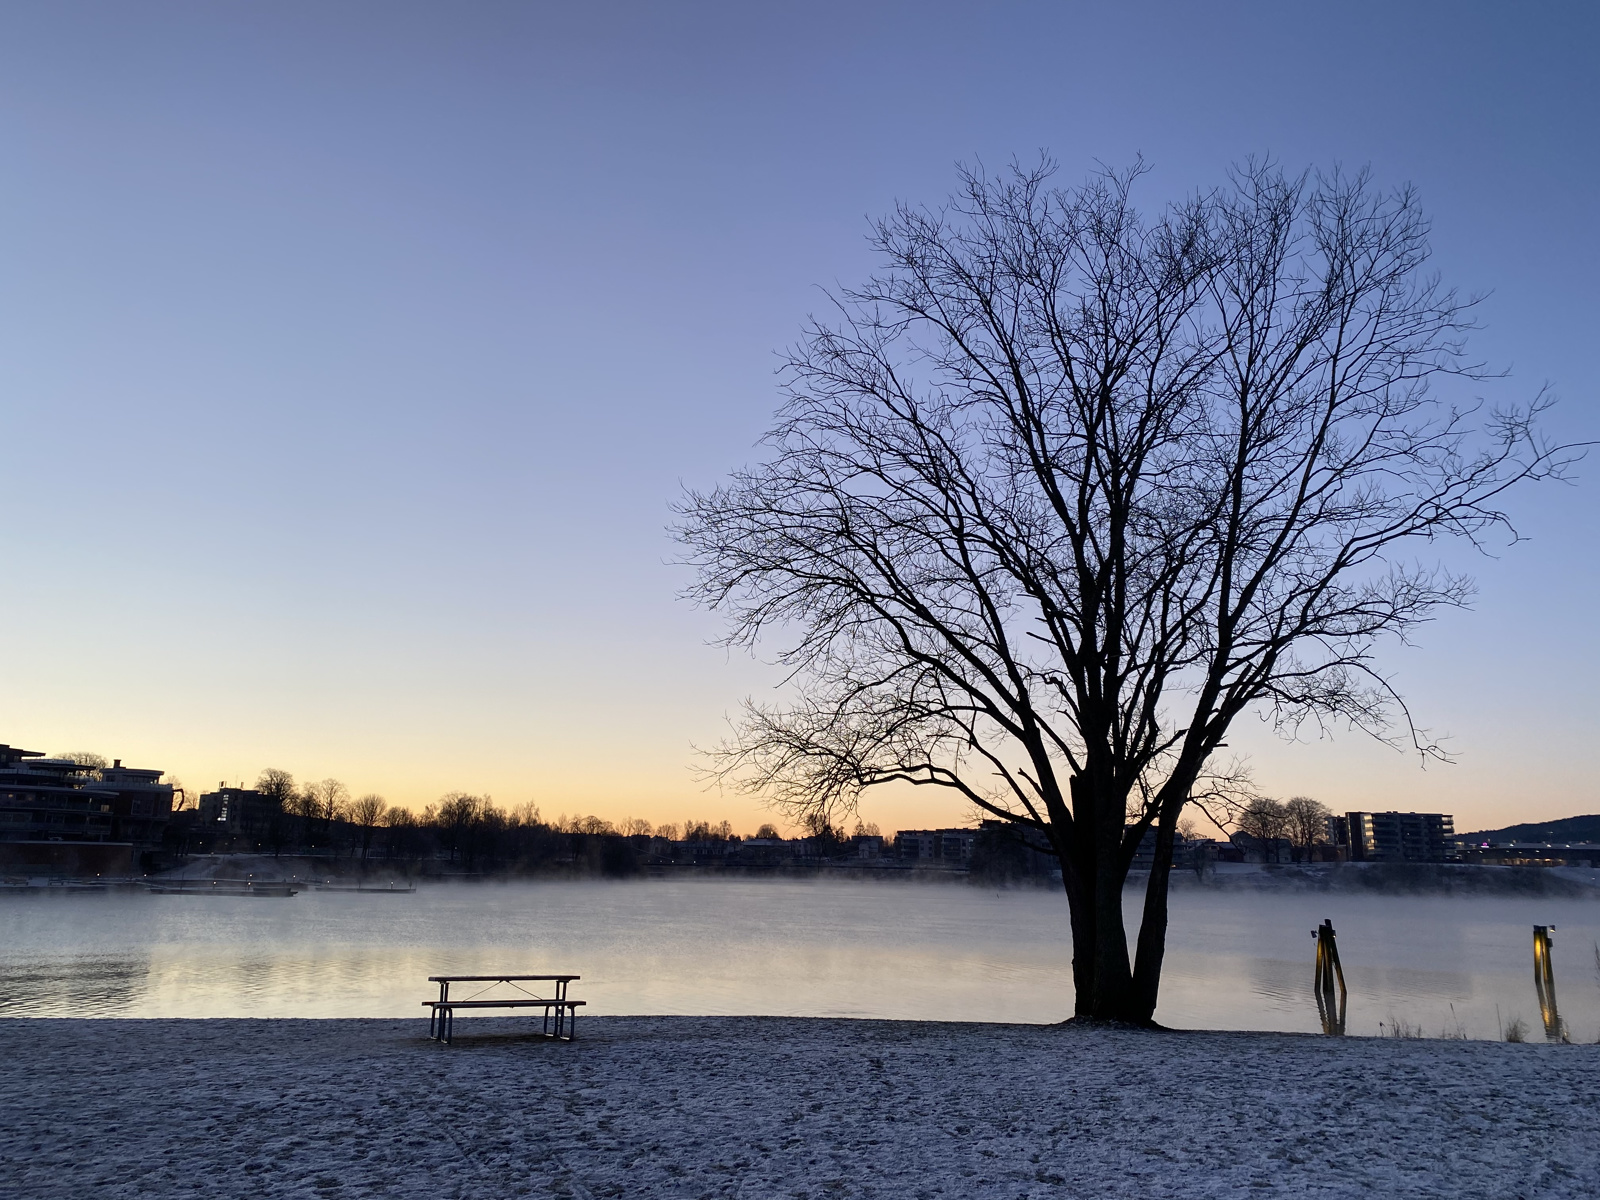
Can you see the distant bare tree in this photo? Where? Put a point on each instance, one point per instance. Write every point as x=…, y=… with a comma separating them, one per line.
x=366, y=813
x=456, y=814
x=1266, y=823
x=1307, y=822
x=769, y=831
x=401, y=835
x=705, y=831
x=330, y=797
x=825, y=838
x=1065, y=488
x=321, y=804
x=305, y=810
x=89, y=763
x=278, y=788
x=1200, y=856
x=635, y=827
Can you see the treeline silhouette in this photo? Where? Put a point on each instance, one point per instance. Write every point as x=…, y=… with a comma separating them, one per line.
x=470, y=834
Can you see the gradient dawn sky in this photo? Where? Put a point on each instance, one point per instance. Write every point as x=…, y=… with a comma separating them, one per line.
x=352, y=354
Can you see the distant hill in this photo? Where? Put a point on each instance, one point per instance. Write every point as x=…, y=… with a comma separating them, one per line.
x=1568, y=829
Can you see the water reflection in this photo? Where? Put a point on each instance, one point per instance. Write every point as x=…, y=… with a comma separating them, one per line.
x=94, y=985
x=1235, y=961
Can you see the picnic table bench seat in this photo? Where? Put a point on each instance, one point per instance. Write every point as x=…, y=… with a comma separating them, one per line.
x=560, y=1012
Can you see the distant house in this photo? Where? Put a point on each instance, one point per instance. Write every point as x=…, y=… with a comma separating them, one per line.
x=1183, y=851
x=1259, y=849
x=766, y=852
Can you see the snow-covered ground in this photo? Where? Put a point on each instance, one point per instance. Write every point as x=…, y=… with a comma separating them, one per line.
x=769, y=1107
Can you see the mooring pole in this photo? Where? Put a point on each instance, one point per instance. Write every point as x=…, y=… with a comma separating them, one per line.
x=1328, y=968
x=1544, y=982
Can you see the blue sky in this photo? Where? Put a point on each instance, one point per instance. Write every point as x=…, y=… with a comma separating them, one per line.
x=352, y=354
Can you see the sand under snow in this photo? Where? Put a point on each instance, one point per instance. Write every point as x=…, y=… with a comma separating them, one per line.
x=759, y=1107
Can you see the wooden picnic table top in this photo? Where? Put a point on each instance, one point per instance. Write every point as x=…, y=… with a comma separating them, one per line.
x=495, y=978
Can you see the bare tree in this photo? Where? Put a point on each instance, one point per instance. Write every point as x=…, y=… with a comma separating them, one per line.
x=366, y=814
x=89, y=763
x=330, y=797
x=1307, y=823
x=322, y=804
x=1265, y=822
x=401, y=838
x=705, y=831
x=277, y=788
x=1064, y=489
x=456, y=814
x=306, y=809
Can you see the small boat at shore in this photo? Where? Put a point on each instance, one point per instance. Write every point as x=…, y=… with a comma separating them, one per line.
x=54, y=885
x=278, y=888
x=396, y=889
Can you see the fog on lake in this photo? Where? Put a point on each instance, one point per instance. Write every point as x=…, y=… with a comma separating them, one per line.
x=936, y=951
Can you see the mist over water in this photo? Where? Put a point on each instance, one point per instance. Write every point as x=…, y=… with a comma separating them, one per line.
x=783, y=947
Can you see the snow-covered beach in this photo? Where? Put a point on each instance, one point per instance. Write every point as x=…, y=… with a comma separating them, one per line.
x=756, y=1107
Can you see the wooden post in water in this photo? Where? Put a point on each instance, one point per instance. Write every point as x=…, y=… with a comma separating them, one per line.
x=1544, y=983
x=1328, y=969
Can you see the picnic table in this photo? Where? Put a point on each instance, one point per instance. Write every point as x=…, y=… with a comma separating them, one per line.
x=560, y=1013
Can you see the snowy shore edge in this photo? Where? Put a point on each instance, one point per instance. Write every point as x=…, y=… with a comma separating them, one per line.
x=757, y=1107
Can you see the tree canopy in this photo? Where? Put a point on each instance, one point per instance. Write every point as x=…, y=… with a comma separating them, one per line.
x=1066, y=487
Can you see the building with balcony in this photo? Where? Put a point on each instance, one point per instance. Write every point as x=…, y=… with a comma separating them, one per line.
x=58, y=800
x=948, y=847
x=51, y=800
x=1394, y=836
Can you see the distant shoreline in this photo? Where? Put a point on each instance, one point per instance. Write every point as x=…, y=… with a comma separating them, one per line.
x=1465, y=879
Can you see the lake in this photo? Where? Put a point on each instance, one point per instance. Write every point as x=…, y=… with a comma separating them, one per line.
x=940, y=951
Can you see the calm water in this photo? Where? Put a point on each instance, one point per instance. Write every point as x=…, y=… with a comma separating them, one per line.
x=900, y=950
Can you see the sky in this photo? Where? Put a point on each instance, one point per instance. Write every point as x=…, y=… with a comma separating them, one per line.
x=352, y=355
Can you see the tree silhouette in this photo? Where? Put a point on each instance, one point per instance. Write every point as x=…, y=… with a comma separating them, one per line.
x=1065, y=488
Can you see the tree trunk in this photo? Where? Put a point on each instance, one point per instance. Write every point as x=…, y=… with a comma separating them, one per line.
x=1083, y=938
x=1153, y=925
x=1095, y=874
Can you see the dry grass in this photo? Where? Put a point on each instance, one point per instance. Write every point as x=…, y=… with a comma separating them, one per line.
x=1397, y=1028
